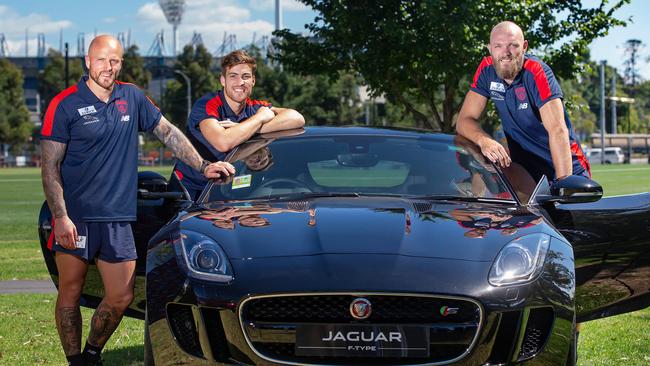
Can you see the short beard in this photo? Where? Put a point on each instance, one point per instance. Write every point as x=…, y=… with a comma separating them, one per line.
x=96, y=80
x=509, y=74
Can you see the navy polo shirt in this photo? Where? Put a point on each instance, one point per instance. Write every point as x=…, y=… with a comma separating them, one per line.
x=518, y=106
x=99, y=170
x=211, y=106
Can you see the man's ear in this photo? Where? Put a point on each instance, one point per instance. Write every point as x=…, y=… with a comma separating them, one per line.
x=223, y=81
x=525, y=45
x=87, y=62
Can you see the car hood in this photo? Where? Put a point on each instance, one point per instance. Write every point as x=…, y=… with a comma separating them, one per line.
x=391, y=226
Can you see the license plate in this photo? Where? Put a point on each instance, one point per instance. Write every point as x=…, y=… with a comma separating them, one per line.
x=350, y=340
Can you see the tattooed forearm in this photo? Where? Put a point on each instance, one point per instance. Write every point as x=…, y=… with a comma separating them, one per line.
x=173, y=138
x=53, y=153
x=68, y=321
x=103, y=324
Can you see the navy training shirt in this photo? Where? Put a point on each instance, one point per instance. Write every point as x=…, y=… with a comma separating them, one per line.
x=99, y=170
x=518, y=106
x=210, y=106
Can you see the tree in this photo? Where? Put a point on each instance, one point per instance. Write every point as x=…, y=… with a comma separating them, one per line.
x=197, y=64
x=52, y=81
x=133, y=70
x=422, y=53
x=15, y=127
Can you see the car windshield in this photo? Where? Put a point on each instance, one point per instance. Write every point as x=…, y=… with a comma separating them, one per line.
x=359, y=165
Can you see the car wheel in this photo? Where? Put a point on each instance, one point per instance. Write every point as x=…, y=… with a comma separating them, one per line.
x=148, y=351
x=572, y=357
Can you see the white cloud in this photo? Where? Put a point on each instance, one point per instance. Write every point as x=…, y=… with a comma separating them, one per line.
x=109, y=20
x=287, y=5
x=13, y=25
x=211, y=18
x=17, y=48
x=151, y=13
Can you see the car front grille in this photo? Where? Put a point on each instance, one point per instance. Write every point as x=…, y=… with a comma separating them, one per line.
x=269, y=324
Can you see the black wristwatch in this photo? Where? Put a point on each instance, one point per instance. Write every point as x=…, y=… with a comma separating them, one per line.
x=204, y=165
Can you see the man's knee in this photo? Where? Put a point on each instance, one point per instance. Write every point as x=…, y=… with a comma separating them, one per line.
x=120, y=300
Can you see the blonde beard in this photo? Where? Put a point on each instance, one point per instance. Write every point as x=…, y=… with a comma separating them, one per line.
x=511, y=73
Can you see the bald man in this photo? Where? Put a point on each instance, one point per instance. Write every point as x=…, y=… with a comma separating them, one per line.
x=528, y=99
x=89, y=143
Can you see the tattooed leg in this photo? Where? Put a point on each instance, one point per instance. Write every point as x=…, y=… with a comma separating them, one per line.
x=72, y=272
x=68, y=323
x=118, y=281
x=103, y=324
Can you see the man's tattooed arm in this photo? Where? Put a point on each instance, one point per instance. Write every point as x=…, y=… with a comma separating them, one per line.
x=173, y=138
x=53, y=153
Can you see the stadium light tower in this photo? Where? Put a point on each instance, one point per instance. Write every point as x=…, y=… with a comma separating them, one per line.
x=173, y=10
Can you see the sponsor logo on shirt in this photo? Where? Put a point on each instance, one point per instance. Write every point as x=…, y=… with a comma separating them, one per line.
x=497, y=86
x=122, y=105
x=90, y=119
x=523, y=106
x=496, y=96
x=125, y=118
x=86, y=110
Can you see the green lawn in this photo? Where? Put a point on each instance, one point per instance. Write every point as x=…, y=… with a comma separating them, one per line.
x=28, y=336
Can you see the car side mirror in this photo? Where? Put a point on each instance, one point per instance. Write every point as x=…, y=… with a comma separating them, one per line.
x=572, y=189
x=153, y=186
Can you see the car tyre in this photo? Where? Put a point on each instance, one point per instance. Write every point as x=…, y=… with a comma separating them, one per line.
x=148, y=351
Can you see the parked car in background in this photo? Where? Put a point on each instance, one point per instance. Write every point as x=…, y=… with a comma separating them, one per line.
x=613, y=155
x=347, y=246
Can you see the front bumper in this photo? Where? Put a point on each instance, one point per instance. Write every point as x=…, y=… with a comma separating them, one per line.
x=203, y=323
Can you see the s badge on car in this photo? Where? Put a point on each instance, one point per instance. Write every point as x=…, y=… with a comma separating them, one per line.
x=446, y=310
x=360, y=308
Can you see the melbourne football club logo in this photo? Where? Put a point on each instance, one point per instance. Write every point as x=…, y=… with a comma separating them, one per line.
x=122, y=106
x=521, y=93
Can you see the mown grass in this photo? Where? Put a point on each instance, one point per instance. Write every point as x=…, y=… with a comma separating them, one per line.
x=28, y=335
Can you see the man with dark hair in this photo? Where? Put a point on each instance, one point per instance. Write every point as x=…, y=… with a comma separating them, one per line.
x=89, y=143
x=221, y=120
x=528, y=99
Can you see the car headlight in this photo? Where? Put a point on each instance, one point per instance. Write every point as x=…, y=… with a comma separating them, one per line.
x=204, y=258
x=520, y=261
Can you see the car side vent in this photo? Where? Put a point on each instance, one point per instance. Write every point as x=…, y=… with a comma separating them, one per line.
x=216, y=335
x=506, y=335
x=183, y=326
x=538, y=328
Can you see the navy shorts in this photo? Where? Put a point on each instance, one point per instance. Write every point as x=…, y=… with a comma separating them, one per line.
x=108, y=241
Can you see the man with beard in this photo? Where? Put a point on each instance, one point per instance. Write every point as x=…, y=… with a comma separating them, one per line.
x=528, y=99
x=89, y=143
x=222, y=120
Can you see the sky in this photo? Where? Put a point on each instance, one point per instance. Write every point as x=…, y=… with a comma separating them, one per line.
x=245, y=19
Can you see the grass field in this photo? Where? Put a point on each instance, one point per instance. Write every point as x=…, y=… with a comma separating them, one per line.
x=28, y=335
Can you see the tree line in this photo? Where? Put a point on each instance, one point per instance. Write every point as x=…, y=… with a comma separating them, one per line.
x=417, y=56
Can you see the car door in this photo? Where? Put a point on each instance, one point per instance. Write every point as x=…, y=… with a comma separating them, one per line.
x=158, y=201
x=611, y=243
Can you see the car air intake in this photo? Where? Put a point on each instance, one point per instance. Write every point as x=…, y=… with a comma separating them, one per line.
x=504, y=340
x=272, y=324
x=538, y=328
x=183, y=326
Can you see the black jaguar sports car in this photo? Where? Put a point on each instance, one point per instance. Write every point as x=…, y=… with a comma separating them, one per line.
x=341, y=246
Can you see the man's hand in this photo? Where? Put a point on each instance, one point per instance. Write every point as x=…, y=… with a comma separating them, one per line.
x=266, y=114
x=495, y=152
x=219, y=169
x=65, y=233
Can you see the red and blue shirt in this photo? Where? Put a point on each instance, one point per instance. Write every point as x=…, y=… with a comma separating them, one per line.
x=100, y=167
x=518, y=106
x=211, y=106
